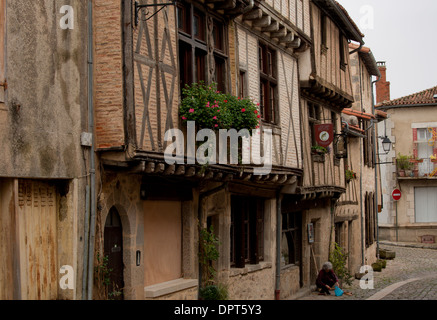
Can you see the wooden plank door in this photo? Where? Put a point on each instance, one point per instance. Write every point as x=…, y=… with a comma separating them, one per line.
x=37, y=221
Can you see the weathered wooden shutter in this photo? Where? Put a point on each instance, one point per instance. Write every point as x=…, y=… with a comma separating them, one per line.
x=38, y=250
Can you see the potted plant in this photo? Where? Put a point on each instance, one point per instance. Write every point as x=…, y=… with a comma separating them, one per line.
x=319, y=150
x=403, y=164
x=211, y=109
x=350, y=175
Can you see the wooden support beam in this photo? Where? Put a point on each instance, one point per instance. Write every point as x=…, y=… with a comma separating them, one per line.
x=266, y=177
x=150, y=167
x=274, y=26
x=170, y=170
x=209, y=175
x=282, y=32
x=254, y=14
x=247, y=176
x=180, y=170
x=265, y=21
x=295, y=43
x=257, y=178
x=289, y=38
x=227, y=5
x=228, y=177
x=190, y=172
x=159, y=168
x=274, y=178
x=282, y=179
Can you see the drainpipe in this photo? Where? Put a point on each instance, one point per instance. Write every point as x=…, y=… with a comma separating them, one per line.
x=375, y=150
x=92, y=234
x=85, y=245
x=361, y=170
x=279, y=198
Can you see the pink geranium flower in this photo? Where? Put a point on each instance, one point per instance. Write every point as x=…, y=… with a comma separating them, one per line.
x=215, y=118
x=243, y=110
x=191, y=111
x=216, y=125
x=184, y=118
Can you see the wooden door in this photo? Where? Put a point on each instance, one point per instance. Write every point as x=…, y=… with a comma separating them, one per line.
x=113, y=249
x=37, y=225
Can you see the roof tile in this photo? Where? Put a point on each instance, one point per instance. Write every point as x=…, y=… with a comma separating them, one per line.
x=422, y=97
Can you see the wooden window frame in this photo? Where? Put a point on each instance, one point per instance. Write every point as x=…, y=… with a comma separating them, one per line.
x=246, y=231
x=268, y=84
x=314, y=117
x=323, y=33
x=342, y=52
x=368, y=149
x=292, y=229
x=201, y=46
x=370, y=215
x=242, y=89
x=3, y=84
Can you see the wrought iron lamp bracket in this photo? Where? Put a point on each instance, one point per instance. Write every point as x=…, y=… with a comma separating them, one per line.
x=139, y=6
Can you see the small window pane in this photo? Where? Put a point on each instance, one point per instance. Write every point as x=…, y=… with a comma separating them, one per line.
x=199, y=26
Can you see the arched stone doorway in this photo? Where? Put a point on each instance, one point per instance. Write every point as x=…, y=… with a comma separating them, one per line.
x=113, y=249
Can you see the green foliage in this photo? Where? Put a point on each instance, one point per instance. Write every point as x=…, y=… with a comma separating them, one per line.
x=319, y=149
x=338, y=257
x=208, y=253
x=350, y=175
x=103, y=279
x=211, y=109
x=214, y=292
x=403, y=162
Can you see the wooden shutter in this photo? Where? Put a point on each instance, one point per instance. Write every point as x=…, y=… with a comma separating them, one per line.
x=37, y=221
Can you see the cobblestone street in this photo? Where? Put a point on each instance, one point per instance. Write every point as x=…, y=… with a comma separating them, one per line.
x=412, y=275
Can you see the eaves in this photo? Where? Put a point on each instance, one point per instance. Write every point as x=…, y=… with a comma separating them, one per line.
x=418, y=105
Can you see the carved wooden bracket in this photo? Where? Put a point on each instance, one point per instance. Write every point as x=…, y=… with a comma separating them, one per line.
x=265, y=21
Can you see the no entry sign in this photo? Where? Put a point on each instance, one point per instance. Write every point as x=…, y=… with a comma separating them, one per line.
x=396, y=194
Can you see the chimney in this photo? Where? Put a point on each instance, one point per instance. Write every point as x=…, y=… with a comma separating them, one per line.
x=382, y=86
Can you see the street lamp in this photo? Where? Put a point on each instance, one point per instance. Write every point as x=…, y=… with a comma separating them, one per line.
x=386, y=144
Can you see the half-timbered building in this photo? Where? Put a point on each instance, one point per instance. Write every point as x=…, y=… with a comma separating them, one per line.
x=326, y=89
x=250, y=49
x=356, y=218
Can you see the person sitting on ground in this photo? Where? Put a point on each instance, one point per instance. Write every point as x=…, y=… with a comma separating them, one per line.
x=327, y=279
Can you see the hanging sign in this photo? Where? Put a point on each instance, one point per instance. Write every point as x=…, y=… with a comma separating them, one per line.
x=324, y=134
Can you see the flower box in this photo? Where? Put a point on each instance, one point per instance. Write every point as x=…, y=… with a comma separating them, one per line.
x=416, y=160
